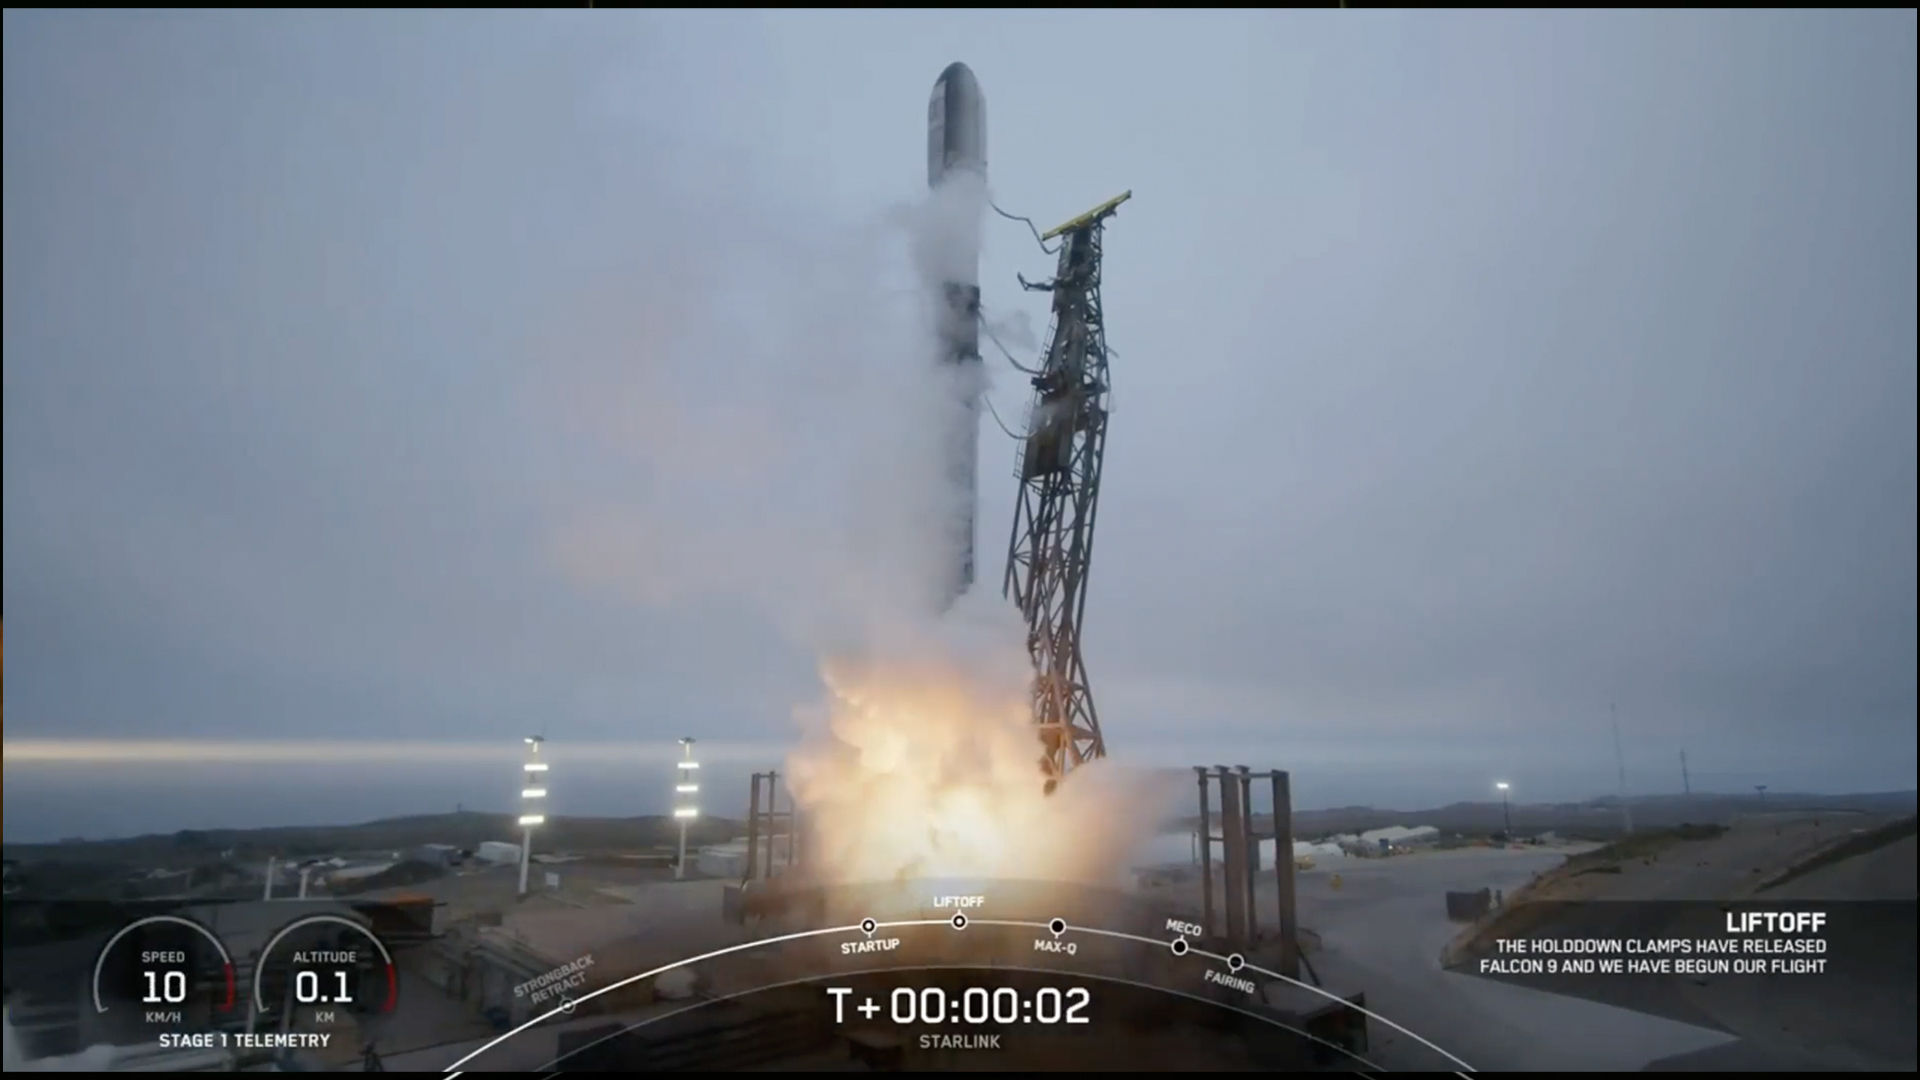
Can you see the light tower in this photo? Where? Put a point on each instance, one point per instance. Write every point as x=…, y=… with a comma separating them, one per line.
x=533, y=804
x=1506, y=806
x=1052, y=544
x=686, y=800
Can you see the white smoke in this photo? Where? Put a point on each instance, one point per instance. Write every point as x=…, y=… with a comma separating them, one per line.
x=754, y=404
x=1012, y=329
x=947, y=227
x=784, y=398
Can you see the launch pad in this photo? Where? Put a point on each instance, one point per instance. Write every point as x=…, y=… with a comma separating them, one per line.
x=1171, y=982
x=1148, y=1006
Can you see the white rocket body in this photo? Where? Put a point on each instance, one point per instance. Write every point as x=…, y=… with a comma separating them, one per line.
x=957, y=155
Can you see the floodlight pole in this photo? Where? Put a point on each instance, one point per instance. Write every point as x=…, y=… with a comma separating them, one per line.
x=533, y=795
x=526, y=847
x=686, y=786
x=680, y=860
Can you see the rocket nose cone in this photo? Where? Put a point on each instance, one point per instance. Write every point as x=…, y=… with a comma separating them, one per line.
x=956, y=125
x=959, y=74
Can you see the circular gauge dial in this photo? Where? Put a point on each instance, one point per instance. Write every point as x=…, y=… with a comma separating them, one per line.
x=324, y=963
x=163, y=970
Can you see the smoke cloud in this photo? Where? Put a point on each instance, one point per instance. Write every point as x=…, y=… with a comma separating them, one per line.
x=783, y=418
x=769, y=414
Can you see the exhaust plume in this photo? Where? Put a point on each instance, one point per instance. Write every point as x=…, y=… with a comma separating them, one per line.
x=927, y=765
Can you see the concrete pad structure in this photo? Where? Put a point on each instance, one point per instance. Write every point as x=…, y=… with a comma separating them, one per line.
x=630, y=929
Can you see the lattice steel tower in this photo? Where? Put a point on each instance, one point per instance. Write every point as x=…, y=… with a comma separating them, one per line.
x=1052, y=543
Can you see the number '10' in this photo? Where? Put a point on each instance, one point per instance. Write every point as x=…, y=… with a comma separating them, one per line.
x=166, y=987
x=979, y=1005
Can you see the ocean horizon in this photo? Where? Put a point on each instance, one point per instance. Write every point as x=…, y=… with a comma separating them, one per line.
x=51, y=797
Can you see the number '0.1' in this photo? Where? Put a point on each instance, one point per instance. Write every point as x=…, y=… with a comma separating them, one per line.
x=306, y=989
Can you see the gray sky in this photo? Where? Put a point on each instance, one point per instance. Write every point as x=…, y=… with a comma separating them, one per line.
x=415, y=375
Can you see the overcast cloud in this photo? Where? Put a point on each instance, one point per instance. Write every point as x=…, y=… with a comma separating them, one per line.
x=431, y=376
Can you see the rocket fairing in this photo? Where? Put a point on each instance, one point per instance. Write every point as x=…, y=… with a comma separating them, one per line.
x=956, y=126
x=956, y=151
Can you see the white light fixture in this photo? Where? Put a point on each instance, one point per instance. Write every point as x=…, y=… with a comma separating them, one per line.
x=536, y=766
x=689, y=764
x=687, y=789
x=686, y=812
x=534, y=793
x=530, y=820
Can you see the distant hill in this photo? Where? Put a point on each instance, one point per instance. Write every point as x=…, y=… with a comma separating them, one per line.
x=1594, y=818
x=465, y=829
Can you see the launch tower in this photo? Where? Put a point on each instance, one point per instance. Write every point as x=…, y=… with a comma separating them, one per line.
x=1052, y=544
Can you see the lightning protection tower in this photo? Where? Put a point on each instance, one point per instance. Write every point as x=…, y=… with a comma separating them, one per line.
x=1052, y=544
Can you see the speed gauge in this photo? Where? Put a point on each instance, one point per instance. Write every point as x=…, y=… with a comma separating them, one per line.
x=163, y=970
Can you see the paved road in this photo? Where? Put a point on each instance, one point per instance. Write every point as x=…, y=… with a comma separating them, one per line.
x=1383, y=931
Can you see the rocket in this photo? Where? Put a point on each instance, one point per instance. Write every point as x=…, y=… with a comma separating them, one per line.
x=957, y=152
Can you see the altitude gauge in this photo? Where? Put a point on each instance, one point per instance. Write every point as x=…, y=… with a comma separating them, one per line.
x=165, y=972
x=323, y=965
